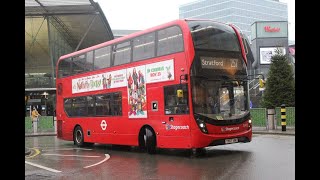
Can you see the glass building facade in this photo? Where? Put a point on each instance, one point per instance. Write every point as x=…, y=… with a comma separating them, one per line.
x=41, y=55
x=53, y=29
x=242, y=13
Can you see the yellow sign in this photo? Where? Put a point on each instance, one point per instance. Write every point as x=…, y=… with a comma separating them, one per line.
x=180, y=93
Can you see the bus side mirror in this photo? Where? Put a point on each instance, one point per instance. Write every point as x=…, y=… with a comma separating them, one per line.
x=180, y=93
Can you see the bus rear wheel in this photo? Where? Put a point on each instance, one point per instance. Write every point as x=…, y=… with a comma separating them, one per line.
x=150, y=141
x=78, y=137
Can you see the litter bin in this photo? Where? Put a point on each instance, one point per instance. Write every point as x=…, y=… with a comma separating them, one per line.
x=270, y=119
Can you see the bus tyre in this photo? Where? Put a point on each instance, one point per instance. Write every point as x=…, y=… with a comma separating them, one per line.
x=150, y=141
x=78, y=137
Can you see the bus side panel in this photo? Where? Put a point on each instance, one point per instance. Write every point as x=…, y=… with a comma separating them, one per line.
x=117, y=129
x=179, y=142
x=113, y=130
x=172, y=131
x=111, y=138
x=65, y=129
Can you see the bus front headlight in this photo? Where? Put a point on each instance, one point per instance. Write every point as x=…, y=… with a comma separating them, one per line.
x=249, y=123
x=202, y=125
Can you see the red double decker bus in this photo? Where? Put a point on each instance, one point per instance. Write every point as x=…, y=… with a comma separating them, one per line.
x=182, y=84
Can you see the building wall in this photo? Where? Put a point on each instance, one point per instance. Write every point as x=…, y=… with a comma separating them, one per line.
x=242, y=13
x=266, y=42
x=267, y=35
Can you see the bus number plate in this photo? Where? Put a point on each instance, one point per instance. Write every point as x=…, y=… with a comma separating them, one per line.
x=229, y=141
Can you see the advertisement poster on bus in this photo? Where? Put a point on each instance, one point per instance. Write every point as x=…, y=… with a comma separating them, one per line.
x=137, y=97
x=160, y=71
x=112, y=79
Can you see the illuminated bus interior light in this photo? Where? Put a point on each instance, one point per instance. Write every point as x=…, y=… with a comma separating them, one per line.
x=171, y=37
x=122, y=50
x=141, y=45
x=102, y=55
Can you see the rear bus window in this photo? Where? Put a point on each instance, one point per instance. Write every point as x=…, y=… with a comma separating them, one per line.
x=64, y=68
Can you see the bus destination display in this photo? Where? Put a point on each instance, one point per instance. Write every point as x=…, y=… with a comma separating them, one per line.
x=220, y=63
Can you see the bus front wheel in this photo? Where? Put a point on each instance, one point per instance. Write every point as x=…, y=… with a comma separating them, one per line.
x=150, y=140
x=78, y=136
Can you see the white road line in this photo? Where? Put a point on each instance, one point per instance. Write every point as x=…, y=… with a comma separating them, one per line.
x=68, y=155
x=66, y=149
x=42, y=167
x=107, y=157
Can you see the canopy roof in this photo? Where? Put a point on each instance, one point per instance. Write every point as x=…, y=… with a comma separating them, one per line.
x=81, y=22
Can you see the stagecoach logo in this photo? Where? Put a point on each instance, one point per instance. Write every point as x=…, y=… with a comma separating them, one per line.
x=229, y=129
x=103, y=125
x=169, y=126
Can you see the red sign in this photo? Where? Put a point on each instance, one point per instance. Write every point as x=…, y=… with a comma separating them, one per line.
x=269, y=29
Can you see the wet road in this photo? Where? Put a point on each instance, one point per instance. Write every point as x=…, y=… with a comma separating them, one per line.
x=266, y=157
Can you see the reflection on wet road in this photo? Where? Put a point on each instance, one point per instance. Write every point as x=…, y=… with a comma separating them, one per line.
x=266, y=157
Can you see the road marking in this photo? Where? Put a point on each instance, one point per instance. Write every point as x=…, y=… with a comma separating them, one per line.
x=37, y=151
x=68, y=155
x=42, y=167
x=107, y=157
x=63, y=149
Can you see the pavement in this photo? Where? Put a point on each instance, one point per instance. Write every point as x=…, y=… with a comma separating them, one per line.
x=290, y=131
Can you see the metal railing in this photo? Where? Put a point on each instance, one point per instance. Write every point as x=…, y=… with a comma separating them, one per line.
x=258, y=115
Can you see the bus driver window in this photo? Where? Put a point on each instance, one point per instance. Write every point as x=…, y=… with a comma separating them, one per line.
x=173, y=103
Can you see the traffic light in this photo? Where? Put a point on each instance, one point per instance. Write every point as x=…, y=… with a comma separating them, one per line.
x=261, y=83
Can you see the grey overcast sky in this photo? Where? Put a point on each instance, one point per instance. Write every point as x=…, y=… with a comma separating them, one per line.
x=142, y=14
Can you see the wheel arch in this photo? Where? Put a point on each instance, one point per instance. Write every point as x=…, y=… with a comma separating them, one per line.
x=142, y=132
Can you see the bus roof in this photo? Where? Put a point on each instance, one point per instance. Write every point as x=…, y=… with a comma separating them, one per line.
x=135, y=34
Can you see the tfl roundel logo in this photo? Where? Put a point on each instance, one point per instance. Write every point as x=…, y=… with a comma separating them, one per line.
x=103, y=125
